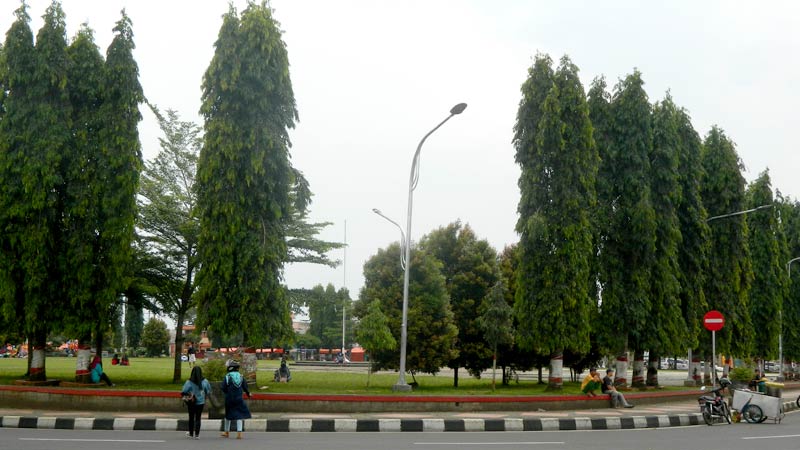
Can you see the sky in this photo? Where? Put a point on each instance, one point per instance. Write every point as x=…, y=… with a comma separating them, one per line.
x=372, y=77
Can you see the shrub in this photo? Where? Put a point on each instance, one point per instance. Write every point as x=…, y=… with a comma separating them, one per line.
x=743, y=373
x=214, y=369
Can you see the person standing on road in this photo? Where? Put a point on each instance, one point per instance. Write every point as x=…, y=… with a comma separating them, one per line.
x=616, y=396
x=234, y=385
x=199, y=387
x=591, y=383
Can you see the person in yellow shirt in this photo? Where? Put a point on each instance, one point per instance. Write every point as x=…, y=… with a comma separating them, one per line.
x=591, y=383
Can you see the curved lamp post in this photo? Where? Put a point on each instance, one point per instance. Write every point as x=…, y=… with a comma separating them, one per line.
x=402, y=236
x=737, y=213
x=405, y=256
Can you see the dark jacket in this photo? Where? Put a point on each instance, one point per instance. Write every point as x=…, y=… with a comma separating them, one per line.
x=234, y=385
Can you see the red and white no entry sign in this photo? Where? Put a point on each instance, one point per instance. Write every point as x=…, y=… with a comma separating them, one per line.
x=713, y=320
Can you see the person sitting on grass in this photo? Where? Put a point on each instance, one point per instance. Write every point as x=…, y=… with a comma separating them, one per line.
x=591, y=383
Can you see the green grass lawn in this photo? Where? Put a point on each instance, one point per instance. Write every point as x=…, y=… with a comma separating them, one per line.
x=156, y=374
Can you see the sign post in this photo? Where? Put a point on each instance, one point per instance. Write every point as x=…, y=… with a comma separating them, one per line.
x=713, y=321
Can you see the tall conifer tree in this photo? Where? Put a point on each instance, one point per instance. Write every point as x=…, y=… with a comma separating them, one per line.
x=558, y=194
x=628, y=241
x=790, y=219
x=730, y=273
x=695, y=233
x=244, y=179
x=667, y=329
x=35, y=138
x=83, y=194
x=16, y=129
x=120, y=163
x=769, y=274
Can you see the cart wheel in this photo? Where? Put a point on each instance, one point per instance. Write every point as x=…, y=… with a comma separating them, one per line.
x=753, y=414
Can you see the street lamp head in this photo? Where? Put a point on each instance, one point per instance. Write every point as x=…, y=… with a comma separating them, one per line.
x=376, y=211
x=458, y=109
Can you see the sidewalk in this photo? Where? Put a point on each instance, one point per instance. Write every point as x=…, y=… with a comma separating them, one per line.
x=667, y=414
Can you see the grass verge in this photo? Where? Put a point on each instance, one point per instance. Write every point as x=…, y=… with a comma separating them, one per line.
x=156, y=374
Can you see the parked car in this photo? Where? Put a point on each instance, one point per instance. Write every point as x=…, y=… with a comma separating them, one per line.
x=681, y=364
x=703, y=366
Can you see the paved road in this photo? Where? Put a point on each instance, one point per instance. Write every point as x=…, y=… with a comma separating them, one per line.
x=729, y=437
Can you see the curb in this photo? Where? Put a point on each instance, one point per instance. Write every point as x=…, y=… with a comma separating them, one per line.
x=367, y=425
x=360, y=425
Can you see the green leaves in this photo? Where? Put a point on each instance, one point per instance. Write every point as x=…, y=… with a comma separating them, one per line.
x=246, y=186
x=557, y=190
x=730, y=272
x=431, y=332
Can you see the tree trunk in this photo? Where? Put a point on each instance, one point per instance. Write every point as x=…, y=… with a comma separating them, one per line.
x=638, y=369
x=369, y=370
x=84, y=358
x=652, y=369
x=249, y=365
x=694, y=369
x=176, y=370
x=98, y=342
x=494, y=367
x=621, y=375
x=37, y=358
x=455, y=376
x=555, y=380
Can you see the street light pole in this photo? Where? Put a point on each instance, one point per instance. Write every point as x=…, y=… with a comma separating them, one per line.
x=402, y=236
x=737, y=213
x=413, y=179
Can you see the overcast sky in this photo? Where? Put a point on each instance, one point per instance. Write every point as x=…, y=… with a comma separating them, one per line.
x=372, y=77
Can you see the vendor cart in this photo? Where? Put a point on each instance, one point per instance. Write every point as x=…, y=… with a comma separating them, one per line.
x=756, y=407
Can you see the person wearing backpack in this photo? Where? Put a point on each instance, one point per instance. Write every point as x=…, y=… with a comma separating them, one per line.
x=194, y=392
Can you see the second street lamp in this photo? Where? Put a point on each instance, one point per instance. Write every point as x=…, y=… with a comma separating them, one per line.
x=405, y=253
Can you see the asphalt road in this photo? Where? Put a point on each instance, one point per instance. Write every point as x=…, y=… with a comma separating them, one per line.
x=740, y=436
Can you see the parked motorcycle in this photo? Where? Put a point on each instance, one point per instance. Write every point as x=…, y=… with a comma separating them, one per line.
x=714, y=407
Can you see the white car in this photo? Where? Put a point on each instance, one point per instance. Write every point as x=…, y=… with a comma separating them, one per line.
x=681, y=364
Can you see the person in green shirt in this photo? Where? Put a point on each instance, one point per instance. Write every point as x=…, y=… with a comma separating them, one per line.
x=591, y=383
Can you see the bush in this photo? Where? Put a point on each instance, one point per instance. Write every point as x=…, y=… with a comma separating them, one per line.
x=744, y=374
x=214, y=369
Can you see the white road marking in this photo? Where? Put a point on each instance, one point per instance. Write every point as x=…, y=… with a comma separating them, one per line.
x=138, y=441
x=489, y=443
x=771, y=437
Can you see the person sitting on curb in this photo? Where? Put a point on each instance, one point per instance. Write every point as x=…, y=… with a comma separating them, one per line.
x=616, y=396
x=96, y=372
x=591, y=383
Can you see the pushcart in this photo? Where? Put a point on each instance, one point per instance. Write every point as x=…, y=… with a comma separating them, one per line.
x=756, y=407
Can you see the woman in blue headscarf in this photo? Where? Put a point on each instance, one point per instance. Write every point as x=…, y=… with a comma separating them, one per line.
x=234, y=385
x=199, y=388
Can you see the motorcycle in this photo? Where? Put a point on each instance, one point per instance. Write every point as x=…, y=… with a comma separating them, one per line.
x=714, y=407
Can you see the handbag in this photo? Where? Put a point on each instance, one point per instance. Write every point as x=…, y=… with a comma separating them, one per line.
x=188, y=399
